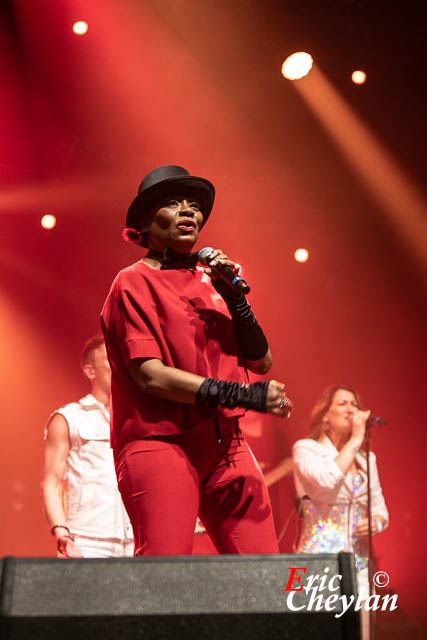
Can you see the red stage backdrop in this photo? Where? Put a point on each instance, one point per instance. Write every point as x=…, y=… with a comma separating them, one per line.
x=83, y=118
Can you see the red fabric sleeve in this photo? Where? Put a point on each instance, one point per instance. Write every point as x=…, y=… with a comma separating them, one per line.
x=133, y=322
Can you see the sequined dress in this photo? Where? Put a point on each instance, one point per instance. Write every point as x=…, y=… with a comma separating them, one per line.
x=330, y=528
x=333, y=503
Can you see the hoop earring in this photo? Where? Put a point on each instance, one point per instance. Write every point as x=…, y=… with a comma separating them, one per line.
x=132, y=235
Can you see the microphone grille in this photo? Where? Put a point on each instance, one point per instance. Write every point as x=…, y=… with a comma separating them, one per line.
x=376, y=421
x=204, y=254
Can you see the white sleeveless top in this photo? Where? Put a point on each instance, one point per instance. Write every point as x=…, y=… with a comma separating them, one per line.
x=94, y=506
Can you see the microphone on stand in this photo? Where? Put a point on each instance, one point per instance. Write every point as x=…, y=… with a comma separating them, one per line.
x=224, y=271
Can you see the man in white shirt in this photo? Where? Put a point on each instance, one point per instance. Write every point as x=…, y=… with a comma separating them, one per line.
x=79, y=487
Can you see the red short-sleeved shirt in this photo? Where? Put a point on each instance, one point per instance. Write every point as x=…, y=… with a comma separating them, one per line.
x=178, y=317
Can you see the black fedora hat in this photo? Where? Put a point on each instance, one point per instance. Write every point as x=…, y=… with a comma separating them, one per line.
x=163, y=180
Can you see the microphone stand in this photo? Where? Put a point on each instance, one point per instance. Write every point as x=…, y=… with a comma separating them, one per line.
x=370, y=553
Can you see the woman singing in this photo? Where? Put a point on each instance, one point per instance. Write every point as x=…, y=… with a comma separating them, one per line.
x=330, y=470
x=179, y=341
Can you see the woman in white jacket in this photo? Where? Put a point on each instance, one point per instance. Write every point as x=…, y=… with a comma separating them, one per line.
x=330, y=470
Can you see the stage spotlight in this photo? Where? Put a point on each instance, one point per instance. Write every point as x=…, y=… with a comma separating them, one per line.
x=358, y=77
x=48, y=221
x=297, y=65
x=301, y=255
x=80, y=27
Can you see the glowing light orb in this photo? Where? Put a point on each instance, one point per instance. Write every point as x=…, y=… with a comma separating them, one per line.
x=301, y=255
x=48, y=221
x=297, y=65
x=80, y=27
x=358, y=77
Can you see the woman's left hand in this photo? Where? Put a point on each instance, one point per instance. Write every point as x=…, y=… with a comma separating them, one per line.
x=362, y=528
x=277, y=402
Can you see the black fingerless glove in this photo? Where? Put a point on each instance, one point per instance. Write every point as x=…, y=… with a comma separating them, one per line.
x=250, y=337
x=214, y=392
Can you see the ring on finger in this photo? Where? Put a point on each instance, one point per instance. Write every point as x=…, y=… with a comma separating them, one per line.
x=284, y=402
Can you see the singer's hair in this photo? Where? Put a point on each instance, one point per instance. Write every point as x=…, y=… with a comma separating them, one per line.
x=145, y=219
x=89, y=347
x=318, y=425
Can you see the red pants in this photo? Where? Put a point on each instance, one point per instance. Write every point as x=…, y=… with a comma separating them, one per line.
x=165, y=482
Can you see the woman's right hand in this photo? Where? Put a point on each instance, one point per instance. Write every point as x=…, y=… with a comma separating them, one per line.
x=348, y=452
x=277, y=401
x=359, y=425
x=67, y=548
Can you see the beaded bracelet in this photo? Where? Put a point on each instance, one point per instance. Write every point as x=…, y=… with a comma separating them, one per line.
x=59, y=526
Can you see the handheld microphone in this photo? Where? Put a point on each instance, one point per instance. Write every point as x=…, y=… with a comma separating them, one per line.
x=224, y=271
x=376, y=421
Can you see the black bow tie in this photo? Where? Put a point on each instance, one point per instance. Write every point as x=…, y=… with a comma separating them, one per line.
x=172, y=260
